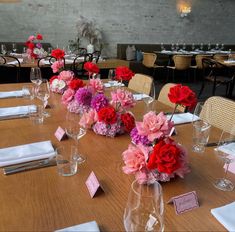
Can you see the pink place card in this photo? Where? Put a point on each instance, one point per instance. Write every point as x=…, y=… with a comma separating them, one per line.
x=185, y=202
x=60, y=134
x=173, y=131
x=93, y=184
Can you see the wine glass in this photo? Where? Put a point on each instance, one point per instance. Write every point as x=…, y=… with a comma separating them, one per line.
x=74, y=130
x=36, y=76
x=209, y=46
x=14, y=48
x=144, y=209
x=162, y=47
x=193, y=46
x=184, y=47
x=3, y=49
x=148, y=94
x=226, y=151
x=201, y=126
x=201, y=46
x=43, y=94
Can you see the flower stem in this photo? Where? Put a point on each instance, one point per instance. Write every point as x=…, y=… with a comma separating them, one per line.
x=173, y=112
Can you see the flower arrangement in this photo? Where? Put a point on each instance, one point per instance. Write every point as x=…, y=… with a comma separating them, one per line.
x=123, y=73
x=153, y=155
x=35, y=49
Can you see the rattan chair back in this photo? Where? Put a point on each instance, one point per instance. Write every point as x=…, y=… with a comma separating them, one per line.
x=149, y=59
x=199, y=58
x=220, y=57
x=141, y=83
x=182, y=62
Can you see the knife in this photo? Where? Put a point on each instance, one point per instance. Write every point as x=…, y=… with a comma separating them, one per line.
x=25, y=167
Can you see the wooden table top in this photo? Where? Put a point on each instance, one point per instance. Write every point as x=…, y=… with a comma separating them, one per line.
x=41, y=200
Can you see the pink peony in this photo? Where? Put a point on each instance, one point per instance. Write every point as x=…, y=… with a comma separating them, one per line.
x=154, y=126
x=67, y=96
x=96, y=85
x=57, y=65
x=31, y=38
x=122, y=99
x=88, y=119
x=66, y=76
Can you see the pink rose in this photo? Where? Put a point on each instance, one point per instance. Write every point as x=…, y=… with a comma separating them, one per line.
x=67, y=96
x=154, y=126
x=66, y=76
x=96, y=85
x=31, y=38
x=122, y=99
x=57, y=65
x=88, y=118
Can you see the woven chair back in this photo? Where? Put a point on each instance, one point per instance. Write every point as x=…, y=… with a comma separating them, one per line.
x=149, y=59
x=182, y=62
x=220, y=57
x=199, y=58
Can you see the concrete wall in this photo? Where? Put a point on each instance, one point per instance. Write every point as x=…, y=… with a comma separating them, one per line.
x=121, y=21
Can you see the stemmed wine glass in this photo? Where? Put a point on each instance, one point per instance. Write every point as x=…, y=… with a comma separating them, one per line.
x=14, y=48
x=3, y=49
x=148, y=94
x=144, y=209
x=226, y=151
x=43, y=93
x=201, y=126
x=35, y=78
x=75, y=130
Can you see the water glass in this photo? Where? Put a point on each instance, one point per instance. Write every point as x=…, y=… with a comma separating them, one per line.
x=14, y=48
x=26, y=91
x=36, y=114
x=66, y=161
x=3, y=49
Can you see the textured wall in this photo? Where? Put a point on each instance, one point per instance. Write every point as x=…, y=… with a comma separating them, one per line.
x=122, y=21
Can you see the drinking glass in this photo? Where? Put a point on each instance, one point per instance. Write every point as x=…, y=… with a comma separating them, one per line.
x=75, y=131
x=226, y=151
x=201, y=127
x=3, y=49
x=193, y=46
x=177, y=47
x=209, y=46
x=36, y=76
x=144, y=209
x=184, y=46
x=150, y=97
x=201, y=46
x=14, y=48
x=43, y=93
x=222, y=47
x=217, y=46
x=162, y=47
x=172, y=47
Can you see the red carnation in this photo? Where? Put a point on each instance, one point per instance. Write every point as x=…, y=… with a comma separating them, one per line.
x=107, y=114
x=76, y=84
x=30, y=45
x=128, y=121
x=58, y=53
x=39, y=37
x=165, y=157
x=53, y=78
x=123, y=73
x=182, y=95
x=91, y=67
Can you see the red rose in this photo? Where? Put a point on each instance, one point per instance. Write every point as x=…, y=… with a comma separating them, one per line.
x=128, y=121
x=123, y=73
x=76, y=84
x=39, y=37
x=91, y=67
x=30, y=45
x=182, y=95
x=53, y=78
x=165, y=157
x=58, y=53
x=107, y=114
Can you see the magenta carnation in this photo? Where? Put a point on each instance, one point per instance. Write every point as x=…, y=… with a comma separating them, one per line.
x=99, y=101
x=83, y=96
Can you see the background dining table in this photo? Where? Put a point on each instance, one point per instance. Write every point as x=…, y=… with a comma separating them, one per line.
x=41, y=200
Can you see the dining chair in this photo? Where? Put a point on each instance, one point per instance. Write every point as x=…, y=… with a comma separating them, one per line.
x=163, y=97
x=141, y=83
x=182, y=63
x=214, y=72
x=94, y=57
x=78, y=65
x=222, y=112
x=9, y=69
x=149, y=61
x=220, y=57
x=47, y=60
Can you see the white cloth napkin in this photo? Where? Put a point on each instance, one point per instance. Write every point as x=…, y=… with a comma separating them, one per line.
x=15, y=61
x=182, y=118
x=26, y=153
x=113, y=84
x=140, y=96
x=85, y=227
x=17, y=111
x=225, y=215
x=228, y=149
x=17, y=93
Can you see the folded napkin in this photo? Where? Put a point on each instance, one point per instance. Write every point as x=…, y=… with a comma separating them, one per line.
x=85, y=227
x=228, y=149
x=225, y=215
x=26, y=153
x=113, y=84
x=17, y=111
x=17, y=93
x=15, y=61
x=182, y=118
x=140, y=96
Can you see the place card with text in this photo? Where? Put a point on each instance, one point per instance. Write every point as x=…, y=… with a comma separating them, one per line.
x=93, y=184
x=60, y=133
x=185, y=202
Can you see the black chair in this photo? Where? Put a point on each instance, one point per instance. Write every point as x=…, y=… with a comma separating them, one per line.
x=9, y=69
x=78, y=65
x=94, y=57
x=81, y=51
x=217, y=73
x=50, y=60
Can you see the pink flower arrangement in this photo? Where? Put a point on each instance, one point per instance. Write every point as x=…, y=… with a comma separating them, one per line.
x=97, y=85
x=57, y=66
x=67, y=96
x=66, y=76
x=153, y=155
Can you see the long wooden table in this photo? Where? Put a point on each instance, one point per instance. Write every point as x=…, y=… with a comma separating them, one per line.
x=41, y=200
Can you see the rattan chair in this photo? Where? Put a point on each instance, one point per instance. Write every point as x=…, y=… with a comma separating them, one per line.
x=149, y=61
x=181, y=63
x=220, y=57
x=138, y=83
x=222, y=112
x=163, y=97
